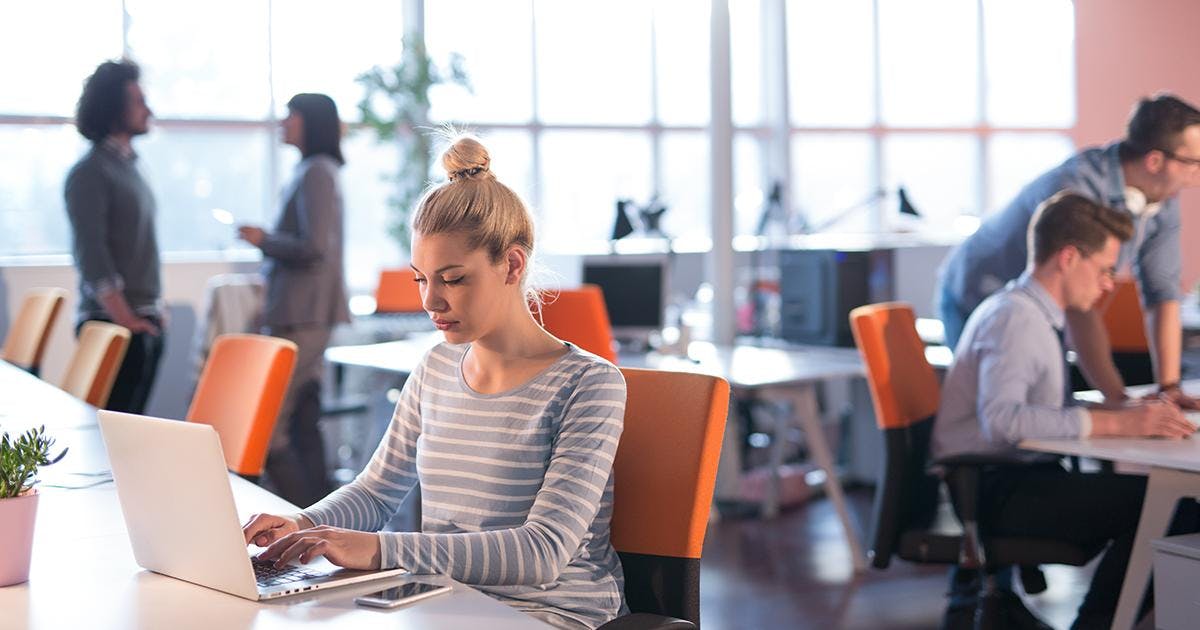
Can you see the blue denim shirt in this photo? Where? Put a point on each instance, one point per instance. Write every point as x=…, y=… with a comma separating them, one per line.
x=1008, y=381
x=997, y=252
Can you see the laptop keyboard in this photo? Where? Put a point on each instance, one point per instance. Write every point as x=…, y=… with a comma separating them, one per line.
x=266, y=574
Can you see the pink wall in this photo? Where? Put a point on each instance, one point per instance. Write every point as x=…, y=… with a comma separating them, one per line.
x=1127, y=49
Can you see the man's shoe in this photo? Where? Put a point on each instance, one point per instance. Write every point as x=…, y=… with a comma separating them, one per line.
x=1011, y=614
x=1017, y=616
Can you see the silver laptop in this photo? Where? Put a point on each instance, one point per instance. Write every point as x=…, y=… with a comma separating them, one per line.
x=179, y=510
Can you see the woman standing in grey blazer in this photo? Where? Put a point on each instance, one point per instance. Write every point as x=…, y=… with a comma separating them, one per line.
x=306, y=292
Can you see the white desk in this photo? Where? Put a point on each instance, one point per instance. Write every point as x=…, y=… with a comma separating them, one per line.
x=83, y=574
x=1174, y=474
x=789, y=375
x=27, y=401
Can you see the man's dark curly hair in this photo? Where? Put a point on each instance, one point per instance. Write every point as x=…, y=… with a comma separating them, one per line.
x=1157, y=124
x=101, y=108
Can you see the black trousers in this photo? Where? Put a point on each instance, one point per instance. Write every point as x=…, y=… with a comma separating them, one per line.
x=298, y=469
x=138, y=371
x=296, y=466
x=1099, y=510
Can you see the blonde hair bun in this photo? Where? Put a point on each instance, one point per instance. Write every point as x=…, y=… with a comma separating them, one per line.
x=467, y=158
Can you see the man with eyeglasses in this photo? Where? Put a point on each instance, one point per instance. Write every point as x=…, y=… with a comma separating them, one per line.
x=1140, y=175
x=1009, y=382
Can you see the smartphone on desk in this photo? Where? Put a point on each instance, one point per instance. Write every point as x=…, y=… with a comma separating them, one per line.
x=401, y=594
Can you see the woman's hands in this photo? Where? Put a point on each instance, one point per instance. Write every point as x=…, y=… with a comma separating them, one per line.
x=264, y=529
x=295, y=538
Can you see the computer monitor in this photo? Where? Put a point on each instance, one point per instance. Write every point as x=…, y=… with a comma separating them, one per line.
x=635, y=292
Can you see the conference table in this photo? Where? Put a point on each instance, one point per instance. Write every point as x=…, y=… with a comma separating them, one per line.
x=1174, y=474
x=83, y=574
x=788, y=375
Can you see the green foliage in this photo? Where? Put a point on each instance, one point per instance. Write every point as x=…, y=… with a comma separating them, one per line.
x=395, y=105
x=20, y=459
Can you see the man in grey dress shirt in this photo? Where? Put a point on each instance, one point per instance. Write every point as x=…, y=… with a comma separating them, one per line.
x=1009, y=382
x=1140, y=176
x=112, y=210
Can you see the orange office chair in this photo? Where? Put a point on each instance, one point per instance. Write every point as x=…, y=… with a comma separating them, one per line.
x=1126, y=326
x=580, y=316
x=665, y=470
x=1123, y=318
x=241, y=389
x=93, y=368
x=397, y=292
x=906, y=395
x=26, y=340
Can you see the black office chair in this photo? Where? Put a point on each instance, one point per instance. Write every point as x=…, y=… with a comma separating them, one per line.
x=905, y=393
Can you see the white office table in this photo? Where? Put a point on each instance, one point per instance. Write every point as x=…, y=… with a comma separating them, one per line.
x=790, y=375
x=1174, y=474
x=83, y=573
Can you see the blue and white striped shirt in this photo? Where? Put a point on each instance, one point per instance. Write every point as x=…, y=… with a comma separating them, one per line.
x=516, y=487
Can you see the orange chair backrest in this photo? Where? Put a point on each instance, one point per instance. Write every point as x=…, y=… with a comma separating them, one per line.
x=97, y=359
x=240, y=392
x=26, y=340
x=666, y=463
x=1123, y=318
x=903, y=385
x=397, y=292
x=580, y=316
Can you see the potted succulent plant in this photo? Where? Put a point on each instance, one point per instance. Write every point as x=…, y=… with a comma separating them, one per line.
x=20, y=459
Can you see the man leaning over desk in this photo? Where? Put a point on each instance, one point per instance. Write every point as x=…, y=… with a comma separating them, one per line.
x=1140, y=176
x=1009, y=382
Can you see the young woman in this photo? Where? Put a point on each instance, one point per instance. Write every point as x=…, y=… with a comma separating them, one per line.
x=306, y=293
x=510, y=431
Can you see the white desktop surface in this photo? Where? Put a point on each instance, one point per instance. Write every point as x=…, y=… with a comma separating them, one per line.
x=400, y=357
x=750, y=367
x=1181, y=454
x=83, y=574
x=743, y=366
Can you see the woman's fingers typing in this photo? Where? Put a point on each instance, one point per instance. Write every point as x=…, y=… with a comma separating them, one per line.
x=263, y=529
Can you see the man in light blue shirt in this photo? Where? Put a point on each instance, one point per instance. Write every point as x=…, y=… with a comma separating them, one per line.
x=1009, y=382
x=1140, y=176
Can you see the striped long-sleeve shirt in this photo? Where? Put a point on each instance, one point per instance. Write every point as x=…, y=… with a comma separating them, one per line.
x=516, y=487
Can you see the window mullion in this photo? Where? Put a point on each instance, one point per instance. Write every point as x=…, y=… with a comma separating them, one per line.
x=877, y=129
x=778, y=153
x=984, y=138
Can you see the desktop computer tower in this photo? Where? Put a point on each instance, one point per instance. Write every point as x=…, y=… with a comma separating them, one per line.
x=819, y=288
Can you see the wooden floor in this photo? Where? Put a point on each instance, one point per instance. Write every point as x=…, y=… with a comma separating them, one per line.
x=794, y=572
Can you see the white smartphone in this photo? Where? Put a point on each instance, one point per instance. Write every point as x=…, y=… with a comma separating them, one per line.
x=402, y=594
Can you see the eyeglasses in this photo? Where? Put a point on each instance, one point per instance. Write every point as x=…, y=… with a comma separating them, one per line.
x=1109, y=272
x=1178, y=158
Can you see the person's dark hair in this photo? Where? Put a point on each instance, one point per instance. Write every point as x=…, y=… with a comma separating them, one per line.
x=1156, y=123
x=101, y=107
x=1070, y=219
x=322, y=127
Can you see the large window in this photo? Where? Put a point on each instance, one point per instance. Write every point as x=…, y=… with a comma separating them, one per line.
x=612, y=99
x=217, y=76
x=958, y=101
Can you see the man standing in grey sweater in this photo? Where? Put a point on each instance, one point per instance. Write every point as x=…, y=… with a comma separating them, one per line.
x=112, y=213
